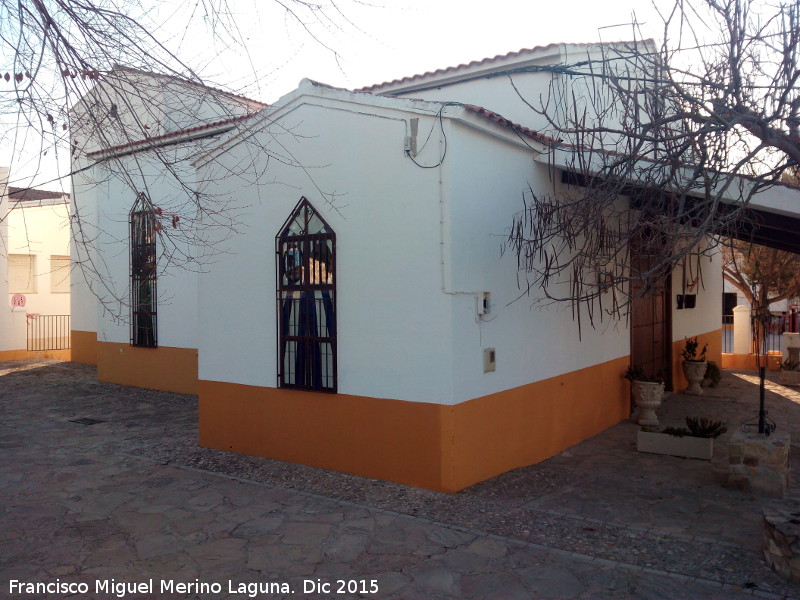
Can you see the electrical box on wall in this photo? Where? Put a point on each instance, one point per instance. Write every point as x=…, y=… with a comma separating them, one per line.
x=484, y=303
x=687, y=301
x=489, y=360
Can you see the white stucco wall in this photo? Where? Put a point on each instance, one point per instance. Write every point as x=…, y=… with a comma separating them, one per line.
x=487, y=179
x=116, y=112
x=775, y=307
x=414, y=249
x=86, y=281
x=41, y=229
x=393, y=322
x=535, y=99
x=101, y=287
x=707, y=314
x=127, y=106
x=188, y=105
x=6, y=317
x=729, y=288
x=497, y=95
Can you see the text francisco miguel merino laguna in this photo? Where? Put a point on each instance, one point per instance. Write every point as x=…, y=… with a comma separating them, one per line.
x=168, y=586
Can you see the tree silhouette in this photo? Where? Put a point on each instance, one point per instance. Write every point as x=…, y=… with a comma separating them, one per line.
x=663, y=145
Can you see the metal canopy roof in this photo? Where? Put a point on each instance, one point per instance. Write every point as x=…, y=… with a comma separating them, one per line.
x=775, y=226
x=772, y=230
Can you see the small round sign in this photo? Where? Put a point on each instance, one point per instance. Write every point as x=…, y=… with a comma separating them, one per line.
x=18, y=300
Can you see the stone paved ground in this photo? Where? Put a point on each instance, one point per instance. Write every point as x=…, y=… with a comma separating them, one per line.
x=132, y=498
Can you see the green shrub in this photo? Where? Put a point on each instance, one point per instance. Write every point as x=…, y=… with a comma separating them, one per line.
x=698, y=427
x=636, y=373
x=713, y=373
x=689, y=351
x=705, y=428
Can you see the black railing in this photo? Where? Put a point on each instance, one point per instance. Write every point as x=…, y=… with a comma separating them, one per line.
x=773, y=329
x=727, y=334
x=48, y=332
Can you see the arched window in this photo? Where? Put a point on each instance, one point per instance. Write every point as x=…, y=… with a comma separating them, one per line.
x=306, y=251
x=143, y=273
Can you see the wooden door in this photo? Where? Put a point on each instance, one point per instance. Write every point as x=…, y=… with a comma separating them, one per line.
x=651, y=316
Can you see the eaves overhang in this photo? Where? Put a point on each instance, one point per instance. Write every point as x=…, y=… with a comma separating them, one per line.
x=169, y=139
x=771, y=218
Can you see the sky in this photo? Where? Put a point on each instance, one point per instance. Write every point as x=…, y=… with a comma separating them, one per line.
x=399, y=38
x=261, y=52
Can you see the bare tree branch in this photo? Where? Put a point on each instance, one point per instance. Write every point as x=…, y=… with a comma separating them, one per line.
x=93, y=81
x=666, y=146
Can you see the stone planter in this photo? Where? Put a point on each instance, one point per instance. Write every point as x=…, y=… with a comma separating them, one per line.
x=759, y=464
x=793, y=353
x=656, y=442
x=790, y=377
x=694, y=371
x=647, y=396
x=781, y=531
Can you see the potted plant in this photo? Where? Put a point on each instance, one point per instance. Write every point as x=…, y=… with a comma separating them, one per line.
x=790, y=372
x=696, y=440
x=647, y=392
x=694, y=365
x=713, y=375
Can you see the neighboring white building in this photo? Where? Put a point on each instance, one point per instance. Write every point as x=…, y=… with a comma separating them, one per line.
x=7, y=340
x=132, y=136
x=363, y=318
x=781, y=306
x=36, y=272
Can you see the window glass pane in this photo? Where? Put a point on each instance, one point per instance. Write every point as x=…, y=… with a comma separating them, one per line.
x=291, y=263
x=315, y=225
x=296, y=227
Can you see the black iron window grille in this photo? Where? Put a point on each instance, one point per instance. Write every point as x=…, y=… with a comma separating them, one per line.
x=306, y=301
x=144, y=315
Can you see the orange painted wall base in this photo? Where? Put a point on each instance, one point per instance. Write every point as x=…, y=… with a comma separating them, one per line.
x=714, y=352
x=163, y=368
x=749, y=362
x=84, y=347
x=7, y=355
x=445, y=448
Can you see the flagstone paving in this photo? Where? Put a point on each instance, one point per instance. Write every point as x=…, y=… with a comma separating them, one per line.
x=133, y=499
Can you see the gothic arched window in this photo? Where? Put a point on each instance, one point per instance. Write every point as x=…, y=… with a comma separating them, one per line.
x=143, y=273
x=306, y=251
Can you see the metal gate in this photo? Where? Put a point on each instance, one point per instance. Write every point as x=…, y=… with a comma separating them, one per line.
x=48, y=332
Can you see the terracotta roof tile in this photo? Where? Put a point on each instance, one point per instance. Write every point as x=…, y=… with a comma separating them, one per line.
x=474, y=63
x=157, y=140
x=500, y=120
x=30, y=194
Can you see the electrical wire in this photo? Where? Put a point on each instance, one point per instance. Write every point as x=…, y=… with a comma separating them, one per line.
x=440, y=117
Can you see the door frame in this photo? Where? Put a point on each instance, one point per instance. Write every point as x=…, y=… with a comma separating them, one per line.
x=642, y=319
